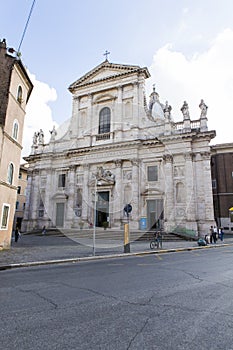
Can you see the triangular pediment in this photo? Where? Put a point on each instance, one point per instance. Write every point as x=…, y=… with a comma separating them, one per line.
x=106, y=71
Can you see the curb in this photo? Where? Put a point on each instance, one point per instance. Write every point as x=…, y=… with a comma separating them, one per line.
x=102, y=257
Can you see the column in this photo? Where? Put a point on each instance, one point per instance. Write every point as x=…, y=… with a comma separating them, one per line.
x=190, y=191
x=27, y=213
x=35, y=198
x=135, y=104
x=91, y=128
x=71, y=195
x=48, y=203
x=86, y=200
x=169, y=203
x=135, y=193
x=209, y=209
x=75, y=117
x=117, y=199
x=119, y=114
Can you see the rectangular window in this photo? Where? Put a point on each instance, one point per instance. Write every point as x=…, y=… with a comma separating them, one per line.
x=62, y=180
x=152, y=173
x=5, y=215
x=19, y=189
x=17, y=205
x=41, y=213
x=214, y=184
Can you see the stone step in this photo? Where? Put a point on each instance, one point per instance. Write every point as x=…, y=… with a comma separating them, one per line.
x=110, y=234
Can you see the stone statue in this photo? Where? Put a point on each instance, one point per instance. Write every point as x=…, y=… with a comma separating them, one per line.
x=41, y=137
x=203, y=108
x=53, y=134
x=34, y=140
x=105, y=175
x=185, y=110
x=167, y=111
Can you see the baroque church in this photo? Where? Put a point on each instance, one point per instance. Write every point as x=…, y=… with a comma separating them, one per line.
x=120, y=148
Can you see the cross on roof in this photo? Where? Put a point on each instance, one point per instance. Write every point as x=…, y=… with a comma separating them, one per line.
x=106, y=54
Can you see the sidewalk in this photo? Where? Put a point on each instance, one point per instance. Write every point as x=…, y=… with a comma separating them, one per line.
x=34, y=249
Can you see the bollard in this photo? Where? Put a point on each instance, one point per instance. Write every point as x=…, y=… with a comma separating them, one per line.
x=126, y=239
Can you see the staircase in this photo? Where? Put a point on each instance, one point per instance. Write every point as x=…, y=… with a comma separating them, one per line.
x=112, y=234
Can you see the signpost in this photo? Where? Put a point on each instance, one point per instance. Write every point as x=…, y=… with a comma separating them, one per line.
x=127, y=210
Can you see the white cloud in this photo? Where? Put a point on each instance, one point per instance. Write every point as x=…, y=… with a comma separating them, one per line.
x=38, y=113
x=207, y=75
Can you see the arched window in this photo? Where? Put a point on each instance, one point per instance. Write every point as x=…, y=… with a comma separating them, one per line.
x=20, y=94
x=15, y=130
x=10, y=173
x=104, y=120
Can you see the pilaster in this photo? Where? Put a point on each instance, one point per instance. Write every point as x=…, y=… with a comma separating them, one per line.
x=118, y=204
x=85, y=199
x=169, y=203
x=135, y=191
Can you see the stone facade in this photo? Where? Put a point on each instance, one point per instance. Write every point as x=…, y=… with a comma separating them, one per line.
x=15, y=90
x=117, y=149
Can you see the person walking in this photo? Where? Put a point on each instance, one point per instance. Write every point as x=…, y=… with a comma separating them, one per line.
x=215, y=232
x=17, y=234
x=44, y=230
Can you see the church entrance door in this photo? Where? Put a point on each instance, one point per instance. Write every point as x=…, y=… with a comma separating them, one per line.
x=60, y=207
x=102, y=208
x=154, y=213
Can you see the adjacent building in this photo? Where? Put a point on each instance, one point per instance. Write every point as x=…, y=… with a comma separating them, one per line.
x=21, y=196
x=222, y=182
x=118, y=148
x=15, y=91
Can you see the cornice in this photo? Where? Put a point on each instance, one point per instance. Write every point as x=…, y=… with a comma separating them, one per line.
x=104, y=79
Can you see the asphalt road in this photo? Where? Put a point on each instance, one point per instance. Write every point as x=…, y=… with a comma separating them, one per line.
x=170, y=301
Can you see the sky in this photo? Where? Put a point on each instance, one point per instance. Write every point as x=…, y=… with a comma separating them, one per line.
x=186, y=45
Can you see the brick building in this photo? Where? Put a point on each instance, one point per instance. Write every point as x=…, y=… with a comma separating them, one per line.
x=222, y=183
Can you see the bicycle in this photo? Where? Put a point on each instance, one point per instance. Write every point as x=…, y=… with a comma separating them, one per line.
x=156, y=242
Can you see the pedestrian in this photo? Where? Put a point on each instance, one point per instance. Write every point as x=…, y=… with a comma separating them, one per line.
x=17, y=234
x=221, y=234
x=211, y=234
x=215, y=232
x=159, y=239
x=44, y=230
x=206, y=239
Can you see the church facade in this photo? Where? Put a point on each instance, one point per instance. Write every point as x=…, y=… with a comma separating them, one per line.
x=119, y=149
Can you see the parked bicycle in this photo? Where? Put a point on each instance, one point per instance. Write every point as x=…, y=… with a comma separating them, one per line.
x=156, y=242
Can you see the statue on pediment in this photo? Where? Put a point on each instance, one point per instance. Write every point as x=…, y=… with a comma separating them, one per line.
x=41, y=137
x=167, y=111
x=185, y=110
x=155, y=107
x=203, y=108
x=53, y=133
x=34, y=140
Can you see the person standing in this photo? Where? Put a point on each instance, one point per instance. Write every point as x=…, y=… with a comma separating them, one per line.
x=211, y=234
x=44, y=230
x=221, y=234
